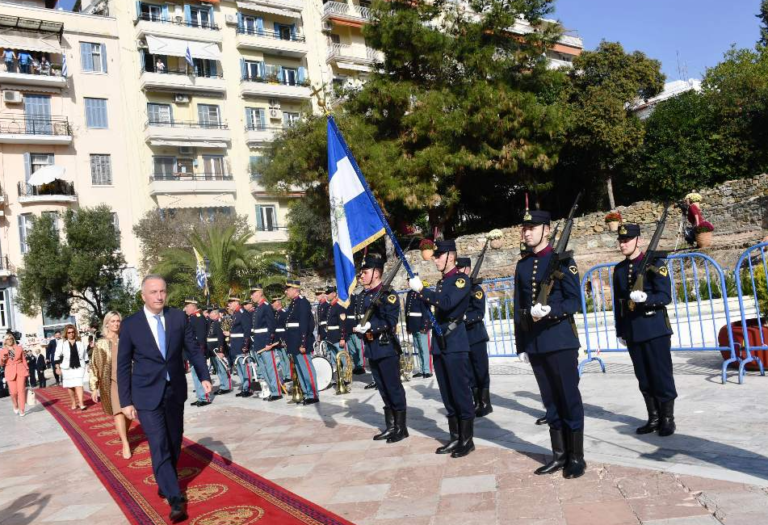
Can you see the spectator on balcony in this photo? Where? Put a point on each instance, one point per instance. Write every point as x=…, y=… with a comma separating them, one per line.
x=9, y=55
x=45, y=66
x=35, y=65
x=159, y=66
x=25, y=59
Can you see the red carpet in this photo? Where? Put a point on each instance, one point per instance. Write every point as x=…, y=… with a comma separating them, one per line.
x=219, y=491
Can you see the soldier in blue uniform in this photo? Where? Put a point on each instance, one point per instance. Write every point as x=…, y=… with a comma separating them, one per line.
x=379, y=333
x=417, y=324
x=238, y=343
x=321, y=314
x=547, y=335
x=450, y=353
x=642, y=325
x=298, y=338
x=262, y=341
x=282, y=352
x=197, y=322
x=215, y=344
x=478, y=343
x=353, y=344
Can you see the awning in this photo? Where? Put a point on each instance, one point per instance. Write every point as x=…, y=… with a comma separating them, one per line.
x=186, y=143
x=178, y=48
x=46, y=175
x=352, y=67
x=196, y=201
x=24, y=41
x=250, y=6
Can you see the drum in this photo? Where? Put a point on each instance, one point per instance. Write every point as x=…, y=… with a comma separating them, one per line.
x=324, y=372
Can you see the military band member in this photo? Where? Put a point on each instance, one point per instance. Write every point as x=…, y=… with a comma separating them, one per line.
x=280, y=315
x=216, y=349
x=263, y=340
x=382, y=346
x=238, y=344
x=298, y=337
x=418, y=325
x=642, y=325
x=321, y=314
x=450, y=353
x=353, y=344
x=478, y=343
x=546, y=334
x=335, y=325
x=197, y=322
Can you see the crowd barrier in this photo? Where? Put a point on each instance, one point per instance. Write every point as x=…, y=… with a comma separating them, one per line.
x=752, y=288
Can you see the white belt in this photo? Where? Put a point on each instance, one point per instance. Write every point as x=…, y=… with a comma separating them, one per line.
x=212, y=339
x=323, y=322
x=333, y=327
x=235, y=335
x=291, y=325
x=414, y=314
x=279, y=329
x=259, y=330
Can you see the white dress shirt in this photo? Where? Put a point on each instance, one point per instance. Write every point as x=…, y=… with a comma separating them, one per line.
x=152, y=320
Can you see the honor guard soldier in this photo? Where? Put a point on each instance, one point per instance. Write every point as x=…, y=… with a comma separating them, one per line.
x=418, y=325
x=383, y=348
x=262, y=340
x=238, y=344
x=548, y=338
x=450, y=352
x=280, y=316
x=353, y=343
x=642, y=325
x=215, y=345
x=321, y=314
x=334, y=326
x=298, y=337
x=478, y=343
x=197, y=322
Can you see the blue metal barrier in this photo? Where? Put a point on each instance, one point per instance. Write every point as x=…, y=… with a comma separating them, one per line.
x=695, y=303
x=754, y=256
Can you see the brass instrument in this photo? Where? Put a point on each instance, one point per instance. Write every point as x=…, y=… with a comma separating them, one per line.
x=297, y=396
x=406, y=362
x=343, y=372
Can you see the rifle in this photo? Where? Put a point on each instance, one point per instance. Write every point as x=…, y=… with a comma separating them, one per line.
x=385, y=284
x=553, y=272
x=651, y=254
x=476, y=270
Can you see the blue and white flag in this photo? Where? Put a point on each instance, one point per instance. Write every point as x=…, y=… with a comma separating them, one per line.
x=188, y=57
x=355, y=217
x=200, y=274
x=64, y=71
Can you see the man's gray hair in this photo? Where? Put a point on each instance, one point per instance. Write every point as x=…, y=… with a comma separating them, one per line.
x=152, y=277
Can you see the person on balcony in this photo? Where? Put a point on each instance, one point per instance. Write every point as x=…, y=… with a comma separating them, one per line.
x=35, y=65
x=9, y=55
x=25, y=59
x=159, y=66
x=45, y=66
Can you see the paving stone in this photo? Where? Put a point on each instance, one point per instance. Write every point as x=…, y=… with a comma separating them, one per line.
x=468, y=484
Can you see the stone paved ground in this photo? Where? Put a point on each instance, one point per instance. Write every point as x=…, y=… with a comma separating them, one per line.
x=714, y=471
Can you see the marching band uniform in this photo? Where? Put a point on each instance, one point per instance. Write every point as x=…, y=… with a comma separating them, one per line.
x=215, y=344
x=238, y=346
x=335, y=327
x=322, y=315
x=263, y=334
x=354, y=345
x=280, y=315
x=417, y=324
x=299, y=334
x=478, y=344
x=552, y=345
x=643, y=326
x=198, y=324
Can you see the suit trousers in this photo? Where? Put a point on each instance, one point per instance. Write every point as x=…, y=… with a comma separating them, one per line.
x=557, y=374
x=354, y=347
x=164, y=427
x=454, y=374
x=478, y=356
x=652, y=361
x=421, y=348
x=307, y=375
x=386, y=373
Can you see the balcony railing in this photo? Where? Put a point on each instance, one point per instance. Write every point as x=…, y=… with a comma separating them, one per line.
x=356, y=53
x=258, y=127
x=269, y=34
x=187, y=124
x=32, y=69
x=55, y=188
x=346, y=11
x=23, y=125
x=273, y=79
x=5, y=264
x=200, y=176
x=183, y=72
x=144, y=17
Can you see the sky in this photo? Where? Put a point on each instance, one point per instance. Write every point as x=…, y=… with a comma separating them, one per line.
x=699, y=32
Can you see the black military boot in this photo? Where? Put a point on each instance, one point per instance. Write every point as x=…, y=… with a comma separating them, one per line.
x=667, y=425
x=401, y=431
x=542, y=420
x=485, y=402
x=559, y=457
x=476, y=399
x=576, y=465
x=652, y=406
x=389, y=421
x=466, y=433
x=453, y=441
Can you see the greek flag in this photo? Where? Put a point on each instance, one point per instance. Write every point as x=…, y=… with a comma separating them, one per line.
x=64, y=65
x=200, y=277
x=188, y=57
x=356, y=220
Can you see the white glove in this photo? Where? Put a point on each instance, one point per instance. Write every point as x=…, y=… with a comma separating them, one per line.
x=539, y=311
x=638, y=296
x=622, y=341
x=416, y=284
x=361, y=329
x=523, y=357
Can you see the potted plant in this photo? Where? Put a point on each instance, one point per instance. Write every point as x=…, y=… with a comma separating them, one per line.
x=704, y=235
x=495, y=238
x=613, y=219
x=427, y=247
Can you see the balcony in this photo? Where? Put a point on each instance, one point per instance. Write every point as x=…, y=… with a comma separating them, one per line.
x=49, y=77
x=179, y=80
x=346, y=12
x=276, y=234
x=261, y=87
x=176, y=27
x=58, y=191
x=356, y=58
x=191, y=183
x=180, y=134
x=6, y=270
x=260, y=136
x=259, y=190
x=35, y=130
x=291, y=5
x=271, y=41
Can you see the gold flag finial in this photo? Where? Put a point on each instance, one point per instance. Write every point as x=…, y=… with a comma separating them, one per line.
x=322, y=102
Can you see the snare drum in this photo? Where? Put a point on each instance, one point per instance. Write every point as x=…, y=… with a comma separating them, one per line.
x=324, y=372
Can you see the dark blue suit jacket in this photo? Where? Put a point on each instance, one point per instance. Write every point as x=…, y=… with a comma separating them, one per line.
x=141, y=369
x=383, y=321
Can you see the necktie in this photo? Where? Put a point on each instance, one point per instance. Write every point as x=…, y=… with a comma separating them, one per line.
x=161, y=340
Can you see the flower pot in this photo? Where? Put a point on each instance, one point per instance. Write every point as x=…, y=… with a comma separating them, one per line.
x=496, y=243
x=427, y=254
x=613, y=225
x=704, y=239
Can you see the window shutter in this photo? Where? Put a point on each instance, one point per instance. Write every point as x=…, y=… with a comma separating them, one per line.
x=277, y=29
x=187, y=13
x=280, y=74
x=259, y=219
x=27, y=166
x=103, y=58
x=23, y=233
x=262, y=73
x=293, y=31
x=212, y=68
x=240, y=23
x=165, y=13
x=142, y=59
x=138, y=10
x=243, y=72
x=274, y=218
x=262, y=119
x=260, y=26
x=302, y=74
x=86, y=58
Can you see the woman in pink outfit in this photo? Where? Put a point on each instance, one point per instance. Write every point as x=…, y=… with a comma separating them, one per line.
x=16, y=372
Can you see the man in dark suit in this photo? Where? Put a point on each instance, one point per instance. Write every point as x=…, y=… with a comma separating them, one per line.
x=50, y=351
x=152, y=385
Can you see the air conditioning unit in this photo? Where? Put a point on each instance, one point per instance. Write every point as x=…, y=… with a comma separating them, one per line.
x=230, y=20
x=274, y=114
x=181, y=99
x=12, y=97
x=327, y=27
x=186, y=150
x=274, y=103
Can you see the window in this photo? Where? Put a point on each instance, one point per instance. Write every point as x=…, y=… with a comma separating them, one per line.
x=335, y=39
x=185, y=166
x=159, y=114
x=290, y=119
x=199, y=17
x=96, y=113
x=213, y=167
x=101, y=170
x=205, y=68
x=208, y=116
x=253, y=168
x=266, y=218
x=285, y=32
x=25, y=226
x=94, y=57
x=39, y=160
x=55, y=219
x=290, y=76
x=253, y=25
x=4, y=302
x=37, y=111
x=255, y=119
x=151, y=12
x=164, y=167
x=116, y=222
x=253, y=70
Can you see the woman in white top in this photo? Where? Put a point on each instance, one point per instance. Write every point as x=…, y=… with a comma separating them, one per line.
x=72, y=363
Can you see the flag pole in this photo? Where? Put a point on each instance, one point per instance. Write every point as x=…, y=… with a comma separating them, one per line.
x=380, y=213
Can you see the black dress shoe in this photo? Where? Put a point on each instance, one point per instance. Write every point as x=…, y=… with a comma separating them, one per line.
x=427, y=376
x=222, y=392
x=542, y=420
x=274, y=398
x=418, y=374
x=195, y=404
x=311, y=401
x=203, y=403
x=358, y=371
x=160, y=493
x=370, y=385
x=178, y=509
